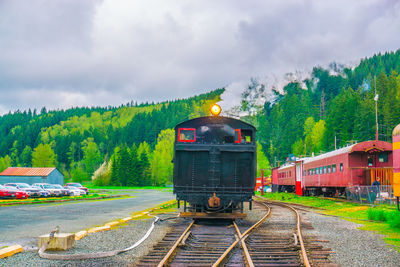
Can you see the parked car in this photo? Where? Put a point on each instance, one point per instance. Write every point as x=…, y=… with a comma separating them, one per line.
x=49, y=188
x=78, y=185
x=65, y=191
x=43, y=193
x=19, y=194
x=75, y=191
x=32, y=192
x=6, y=192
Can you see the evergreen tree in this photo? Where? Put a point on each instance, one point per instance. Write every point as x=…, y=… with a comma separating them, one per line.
x=26, y=157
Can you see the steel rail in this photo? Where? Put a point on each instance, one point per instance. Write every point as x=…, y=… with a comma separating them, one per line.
x=303, y=249
x=242, y=238
x=167, y=257
x=249, y=261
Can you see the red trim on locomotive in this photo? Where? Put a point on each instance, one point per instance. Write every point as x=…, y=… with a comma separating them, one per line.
x=239, y=140
x=187, y=140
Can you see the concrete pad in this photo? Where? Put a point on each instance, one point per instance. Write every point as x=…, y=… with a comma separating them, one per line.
x=81, y=234
x=11, y=250
x=99, y=229
x=112, y=224
x=61, y=241
x=125, y=219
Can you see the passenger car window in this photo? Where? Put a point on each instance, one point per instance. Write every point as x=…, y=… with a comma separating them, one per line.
x=383, y=157
x=186, y=135
x=334, y=168
x=341, y=167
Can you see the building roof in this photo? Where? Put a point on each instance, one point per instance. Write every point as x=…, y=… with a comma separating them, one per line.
x=23, y=171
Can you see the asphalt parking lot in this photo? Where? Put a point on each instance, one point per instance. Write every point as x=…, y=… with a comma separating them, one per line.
x=23, y=224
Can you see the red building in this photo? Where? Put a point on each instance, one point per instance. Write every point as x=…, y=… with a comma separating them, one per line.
x=332, y=172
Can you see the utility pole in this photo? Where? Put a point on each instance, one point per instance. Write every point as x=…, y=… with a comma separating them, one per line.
x=376, y=110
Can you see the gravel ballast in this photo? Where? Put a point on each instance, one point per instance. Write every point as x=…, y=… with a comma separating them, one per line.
x=118, y=238
x=351, y=246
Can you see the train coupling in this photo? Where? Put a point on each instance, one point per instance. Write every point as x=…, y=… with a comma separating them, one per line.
x=214, y=201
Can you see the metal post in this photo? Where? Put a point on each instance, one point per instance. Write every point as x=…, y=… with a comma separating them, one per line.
x=398, y=207
x=179, y=202
x=184, y=206
x=376, y=111
x=262, y=182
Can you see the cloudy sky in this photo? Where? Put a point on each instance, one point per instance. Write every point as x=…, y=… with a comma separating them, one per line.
x=63, y=53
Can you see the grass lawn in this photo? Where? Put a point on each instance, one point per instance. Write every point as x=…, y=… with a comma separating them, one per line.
x=383, y=219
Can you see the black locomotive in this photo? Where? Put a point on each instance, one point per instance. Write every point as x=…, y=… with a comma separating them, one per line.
x=214, y=164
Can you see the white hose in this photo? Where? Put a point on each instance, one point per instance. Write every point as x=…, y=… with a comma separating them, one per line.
x=95, y=255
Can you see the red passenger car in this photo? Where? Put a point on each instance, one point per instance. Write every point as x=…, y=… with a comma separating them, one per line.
x=330, y=173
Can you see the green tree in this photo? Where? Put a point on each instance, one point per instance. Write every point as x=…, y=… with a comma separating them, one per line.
x=43, y=156
x=161, y=165
x=26, y=156
x=78, y=174
x=91, y=156
x=262, y=162
x=5, y=162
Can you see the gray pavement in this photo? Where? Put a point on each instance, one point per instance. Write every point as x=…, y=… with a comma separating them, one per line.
x=23, y=224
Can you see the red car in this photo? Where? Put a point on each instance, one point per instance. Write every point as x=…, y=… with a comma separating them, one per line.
x=78, y=185
x=10, y=192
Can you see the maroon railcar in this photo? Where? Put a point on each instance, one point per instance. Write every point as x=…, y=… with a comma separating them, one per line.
x=330, y=173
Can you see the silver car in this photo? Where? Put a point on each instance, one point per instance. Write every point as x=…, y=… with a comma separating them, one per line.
x=50, y=188
x=75, y=191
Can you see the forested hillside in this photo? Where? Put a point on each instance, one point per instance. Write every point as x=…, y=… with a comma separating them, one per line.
x=132, y=144
x=308, y=115
x=79, y=140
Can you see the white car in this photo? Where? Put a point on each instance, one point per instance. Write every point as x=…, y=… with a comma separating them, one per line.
x=75, y=191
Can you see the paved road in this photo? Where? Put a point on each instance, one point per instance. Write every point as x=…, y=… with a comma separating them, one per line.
x=23, y=224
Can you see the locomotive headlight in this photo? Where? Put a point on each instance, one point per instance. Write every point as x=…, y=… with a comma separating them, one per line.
x=215, y=110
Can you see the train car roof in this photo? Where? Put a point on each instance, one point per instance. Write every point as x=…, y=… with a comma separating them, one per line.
x=366, y=147
x=214, y=120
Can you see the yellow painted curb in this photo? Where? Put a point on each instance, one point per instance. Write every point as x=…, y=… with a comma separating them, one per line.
x=99, y=229
x=112, y=224
x=11, y=250
x=81, y=234
x=126, y=219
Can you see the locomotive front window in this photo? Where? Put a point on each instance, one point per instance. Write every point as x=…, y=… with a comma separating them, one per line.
x=246, y=136
x=187, y=135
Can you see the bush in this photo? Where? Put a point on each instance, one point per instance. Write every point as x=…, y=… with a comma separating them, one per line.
x=394, y=221
x=377, y=215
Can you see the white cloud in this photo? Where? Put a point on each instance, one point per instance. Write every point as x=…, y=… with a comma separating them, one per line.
x=110, y=52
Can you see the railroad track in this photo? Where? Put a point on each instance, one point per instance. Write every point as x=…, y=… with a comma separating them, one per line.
x=278, y=242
